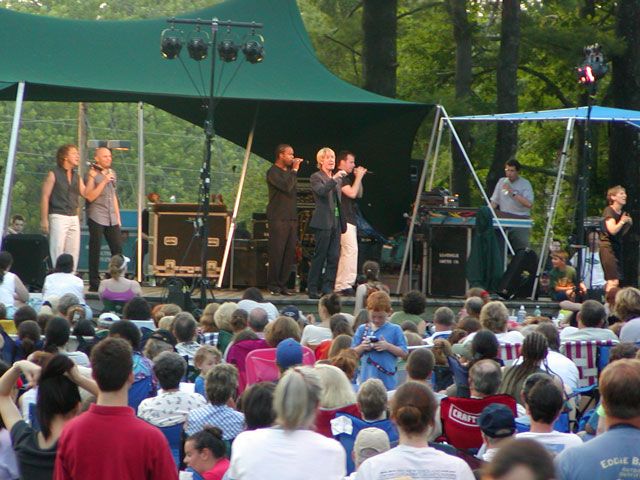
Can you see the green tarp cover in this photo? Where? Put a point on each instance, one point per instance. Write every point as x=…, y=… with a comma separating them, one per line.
x=298, y=99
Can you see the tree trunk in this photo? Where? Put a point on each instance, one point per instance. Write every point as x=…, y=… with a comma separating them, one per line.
x=624, y=153
x=462, y=33
x=507, y=92
x=379, y=52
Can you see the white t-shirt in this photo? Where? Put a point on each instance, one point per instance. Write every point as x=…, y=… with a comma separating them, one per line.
x=315, y=334
x=562, y=366
x=513, y=336
x=58, y=284
x=508, y=204
x=270, y=308
x=587, y=334
x=79, y=358
x=598, y=272
x=169, y=408
x=8, y=289
x=554, y=442
x=411, y=462
x=277, y=454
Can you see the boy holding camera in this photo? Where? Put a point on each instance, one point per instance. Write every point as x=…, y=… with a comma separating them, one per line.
x=379, y=343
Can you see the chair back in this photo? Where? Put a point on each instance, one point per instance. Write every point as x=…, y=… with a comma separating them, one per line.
x=113, y=306
x=261, y=365
x=347, y=436
x=8, y=350
x=509, y=352
x=138, y=391
x=459, y=418
x=589, y=356
x=174, y=435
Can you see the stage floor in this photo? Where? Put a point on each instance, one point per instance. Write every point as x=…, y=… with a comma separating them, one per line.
x=158, y=295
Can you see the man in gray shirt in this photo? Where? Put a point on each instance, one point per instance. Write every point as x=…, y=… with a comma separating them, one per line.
x=513, y=194
x=103, y=212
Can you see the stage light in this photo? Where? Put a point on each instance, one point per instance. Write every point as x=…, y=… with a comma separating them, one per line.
x=198, y=45
x=170, y=43
x=594, y=67
x=253, y=49
x=228, y=50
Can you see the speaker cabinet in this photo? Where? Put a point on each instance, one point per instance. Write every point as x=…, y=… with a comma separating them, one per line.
x=31, y=260
x=448, y=252
x=250, y=263
x=177, y=242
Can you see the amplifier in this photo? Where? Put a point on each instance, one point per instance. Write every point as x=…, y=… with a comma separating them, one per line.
x=177, y=244
x=31, y=260
x=250, y=264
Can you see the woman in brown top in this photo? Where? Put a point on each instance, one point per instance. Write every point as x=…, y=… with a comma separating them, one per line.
x=616, y=224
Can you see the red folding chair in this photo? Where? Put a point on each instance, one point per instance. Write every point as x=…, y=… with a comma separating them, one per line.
x=261, y=365
x=459, y=418
x=590, y=357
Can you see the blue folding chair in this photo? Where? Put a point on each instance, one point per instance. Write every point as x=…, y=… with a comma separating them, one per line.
x=140, y=390
x=348, y=439
x=174, y=435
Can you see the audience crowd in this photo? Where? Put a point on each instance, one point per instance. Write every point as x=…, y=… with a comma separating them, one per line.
x=244, y=391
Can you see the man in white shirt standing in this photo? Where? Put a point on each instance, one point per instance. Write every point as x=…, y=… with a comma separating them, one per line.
x=592, y=273
x=514, y=194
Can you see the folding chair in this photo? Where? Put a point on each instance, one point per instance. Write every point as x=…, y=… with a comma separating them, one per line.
x=174, y=435
x=261, y=365
x=138, y=391
x=459, y=418
x=460, y=377
x=509, y=352
x=347, y=439
x=590, y=357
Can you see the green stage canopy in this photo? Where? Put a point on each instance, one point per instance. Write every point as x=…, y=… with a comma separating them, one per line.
x=298, y=100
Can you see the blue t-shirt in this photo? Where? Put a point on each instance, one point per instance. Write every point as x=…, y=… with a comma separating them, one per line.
x=382, y=365
x=199, y=386
x=610, y=456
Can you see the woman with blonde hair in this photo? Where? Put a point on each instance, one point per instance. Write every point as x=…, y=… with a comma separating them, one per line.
x=326, y=223
x=337, y=396
x=222, y=317
x=291, y=450
x=628, y=311
x=118, y=288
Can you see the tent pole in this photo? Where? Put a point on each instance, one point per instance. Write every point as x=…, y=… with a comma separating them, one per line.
x=141, y=189
x=478, y=182
x=236, y=206
x=434, y=163
x=11, y=160
x=416, y=203
x=551, y=211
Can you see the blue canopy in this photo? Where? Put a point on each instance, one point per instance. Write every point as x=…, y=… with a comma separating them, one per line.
x=598, y=114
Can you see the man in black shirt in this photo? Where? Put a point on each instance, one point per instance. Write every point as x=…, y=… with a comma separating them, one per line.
x=283, y=218
x=351, y=189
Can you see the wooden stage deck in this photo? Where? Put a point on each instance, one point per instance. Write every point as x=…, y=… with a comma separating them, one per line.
x=158, y=294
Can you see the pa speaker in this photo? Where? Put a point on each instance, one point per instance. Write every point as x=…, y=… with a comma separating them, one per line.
x=31, y=260
x=518, y=279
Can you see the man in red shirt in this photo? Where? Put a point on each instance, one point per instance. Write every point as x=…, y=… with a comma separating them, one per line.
x=109, y=441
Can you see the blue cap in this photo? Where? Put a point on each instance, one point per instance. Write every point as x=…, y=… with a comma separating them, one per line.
x=288, y=353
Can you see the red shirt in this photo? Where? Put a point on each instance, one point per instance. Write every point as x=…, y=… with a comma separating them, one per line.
x=111, y=442
x=218, y=470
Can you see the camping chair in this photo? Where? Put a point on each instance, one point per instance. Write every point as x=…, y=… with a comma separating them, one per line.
x=590, y=357
x=8, y=350
x=509, y=352
x=460, y=377
x=174, y=435
x=261, y=365
x=346, y=428
x=459, y=418
x=140, y=390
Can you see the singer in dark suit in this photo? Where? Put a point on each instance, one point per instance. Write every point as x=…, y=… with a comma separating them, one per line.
x=326, y=223
x=282, y=215
x=103, y=212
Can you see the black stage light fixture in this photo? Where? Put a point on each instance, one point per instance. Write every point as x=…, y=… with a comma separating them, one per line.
x=198, y=45
x=253, y=51
x=228, y=50
x=594, y=66
x=170, y=43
